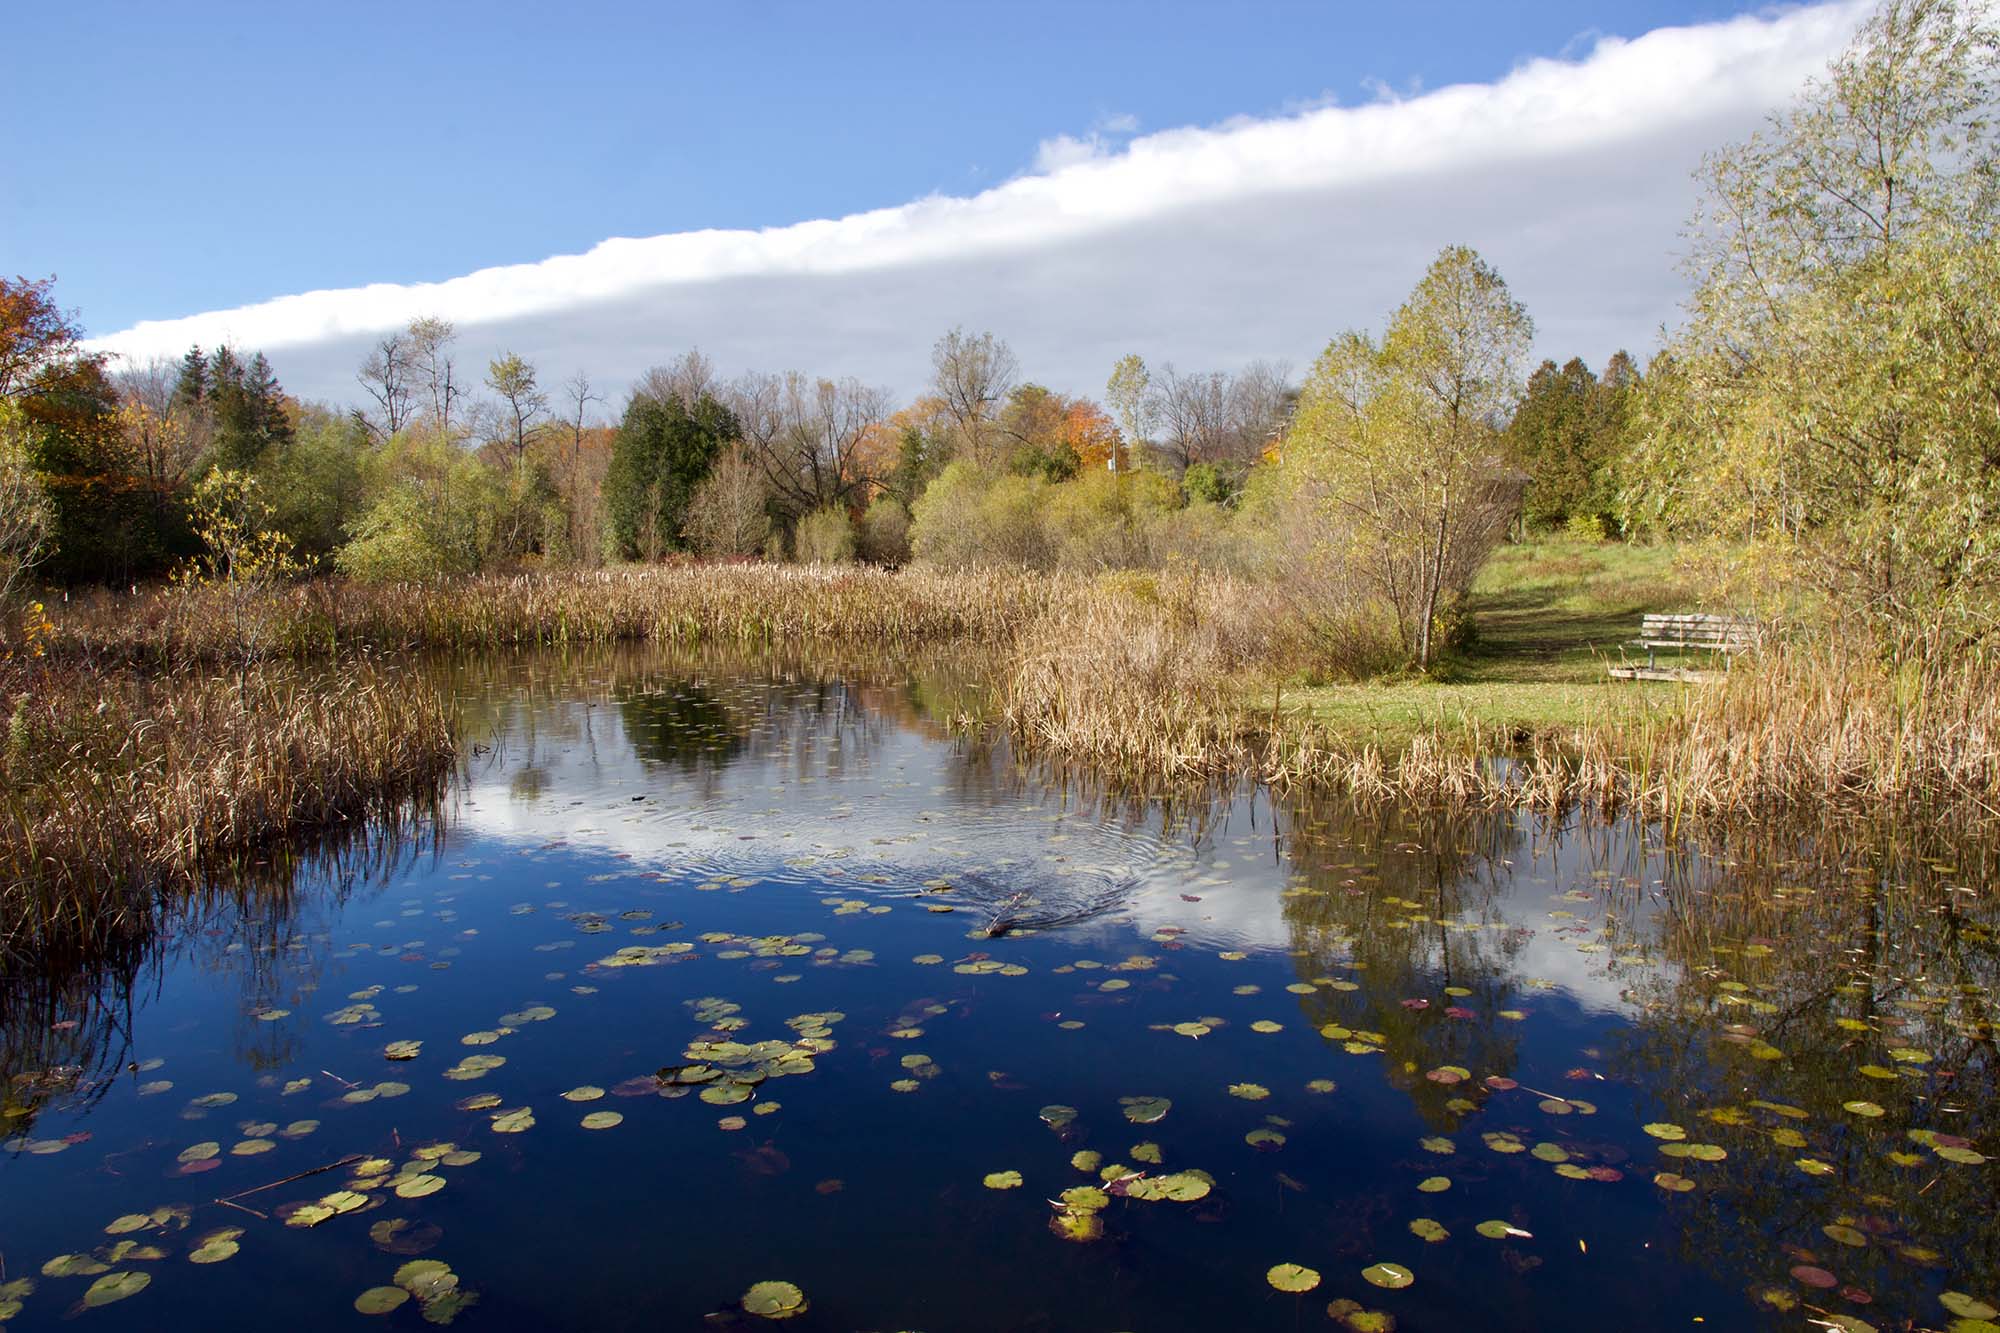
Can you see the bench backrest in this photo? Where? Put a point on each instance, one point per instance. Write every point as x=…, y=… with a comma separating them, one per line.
x=1702, y=630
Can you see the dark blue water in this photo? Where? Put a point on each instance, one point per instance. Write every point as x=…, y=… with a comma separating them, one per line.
x=1340, y=1005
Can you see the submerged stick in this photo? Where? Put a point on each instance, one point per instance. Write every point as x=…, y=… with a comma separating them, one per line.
x=313, y=1171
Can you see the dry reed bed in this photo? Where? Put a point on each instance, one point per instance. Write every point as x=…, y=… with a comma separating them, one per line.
x=119, y=782
x=1149, y=674
x=736, y=604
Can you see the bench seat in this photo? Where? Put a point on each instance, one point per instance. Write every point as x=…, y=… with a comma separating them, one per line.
x=1688, y=633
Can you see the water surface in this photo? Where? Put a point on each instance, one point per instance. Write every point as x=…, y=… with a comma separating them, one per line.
x=1563, y=1075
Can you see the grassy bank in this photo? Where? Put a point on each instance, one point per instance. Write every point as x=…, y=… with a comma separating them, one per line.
x=1547, y=620
x=1189, y=683
x=120, y=783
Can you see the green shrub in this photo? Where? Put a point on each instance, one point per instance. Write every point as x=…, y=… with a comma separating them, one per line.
x=825, y=537
x=885, y=532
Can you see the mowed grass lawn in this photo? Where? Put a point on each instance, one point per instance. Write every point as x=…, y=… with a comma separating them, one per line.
x=1551, y=618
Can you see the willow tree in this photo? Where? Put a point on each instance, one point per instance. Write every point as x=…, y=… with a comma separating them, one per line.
x=1831, y=405
x=1396, y=445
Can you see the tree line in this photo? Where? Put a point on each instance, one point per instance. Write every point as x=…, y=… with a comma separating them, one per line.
x=1826, y=417
x=443, y=471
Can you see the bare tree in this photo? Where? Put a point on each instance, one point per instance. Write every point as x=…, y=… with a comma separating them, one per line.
x=577, y=390
x=150, y=385
x=973, y=375
x=729, y=514
x=1193, y=413
x=687, y=380
x=164, y=434
x=806, y=435
x=1213, y=417
x=430, y=343
x=386, y=377
x=514, y=380
x=1261, y=398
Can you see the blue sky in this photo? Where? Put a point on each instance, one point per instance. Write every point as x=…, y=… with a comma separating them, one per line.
x=828, y=187
x=183, y=157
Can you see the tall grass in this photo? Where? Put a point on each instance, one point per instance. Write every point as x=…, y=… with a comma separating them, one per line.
x=739, y=604
x=119, y=783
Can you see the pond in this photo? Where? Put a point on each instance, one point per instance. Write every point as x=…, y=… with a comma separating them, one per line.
x=720, y=991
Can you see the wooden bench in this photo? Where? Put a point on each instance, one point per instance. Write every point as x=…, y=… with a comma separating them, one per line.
x=1722, y=635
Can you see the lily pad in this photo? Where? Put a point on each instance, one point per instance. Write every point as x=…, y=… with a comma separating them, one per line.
x=380, y=1300
x=1292, y=1277
x=116, y=1287
x=1392, y=1276
x=1967, y=1307
x=514, y=1122
x=775, y=1300
x=1003, y=1180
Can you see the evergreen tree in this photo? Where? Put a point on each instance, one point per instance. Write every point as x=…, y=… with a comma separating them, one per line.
x=246, y=409
x=663, y=450
x=191, y=389
x=1568, y=435
x=266, y=405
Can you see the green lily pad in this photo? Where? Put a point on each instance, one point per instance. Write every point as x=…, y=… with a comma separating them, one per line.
x=1146, y=1110
x=775, y=1300
x=380, y=1300
x=1003, y=1180
x=1292, y=1277
x=1424, y=1228
x=1392, y=1276
x=214, y=1250
x=73, y=1265
x=116, y=1287
x=1434, y=1184
x=418, y=1187
x=1967, y=1307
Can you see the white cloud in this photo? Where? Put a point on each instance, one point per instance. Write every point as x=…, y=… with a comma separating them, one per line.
x=1208, y=246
